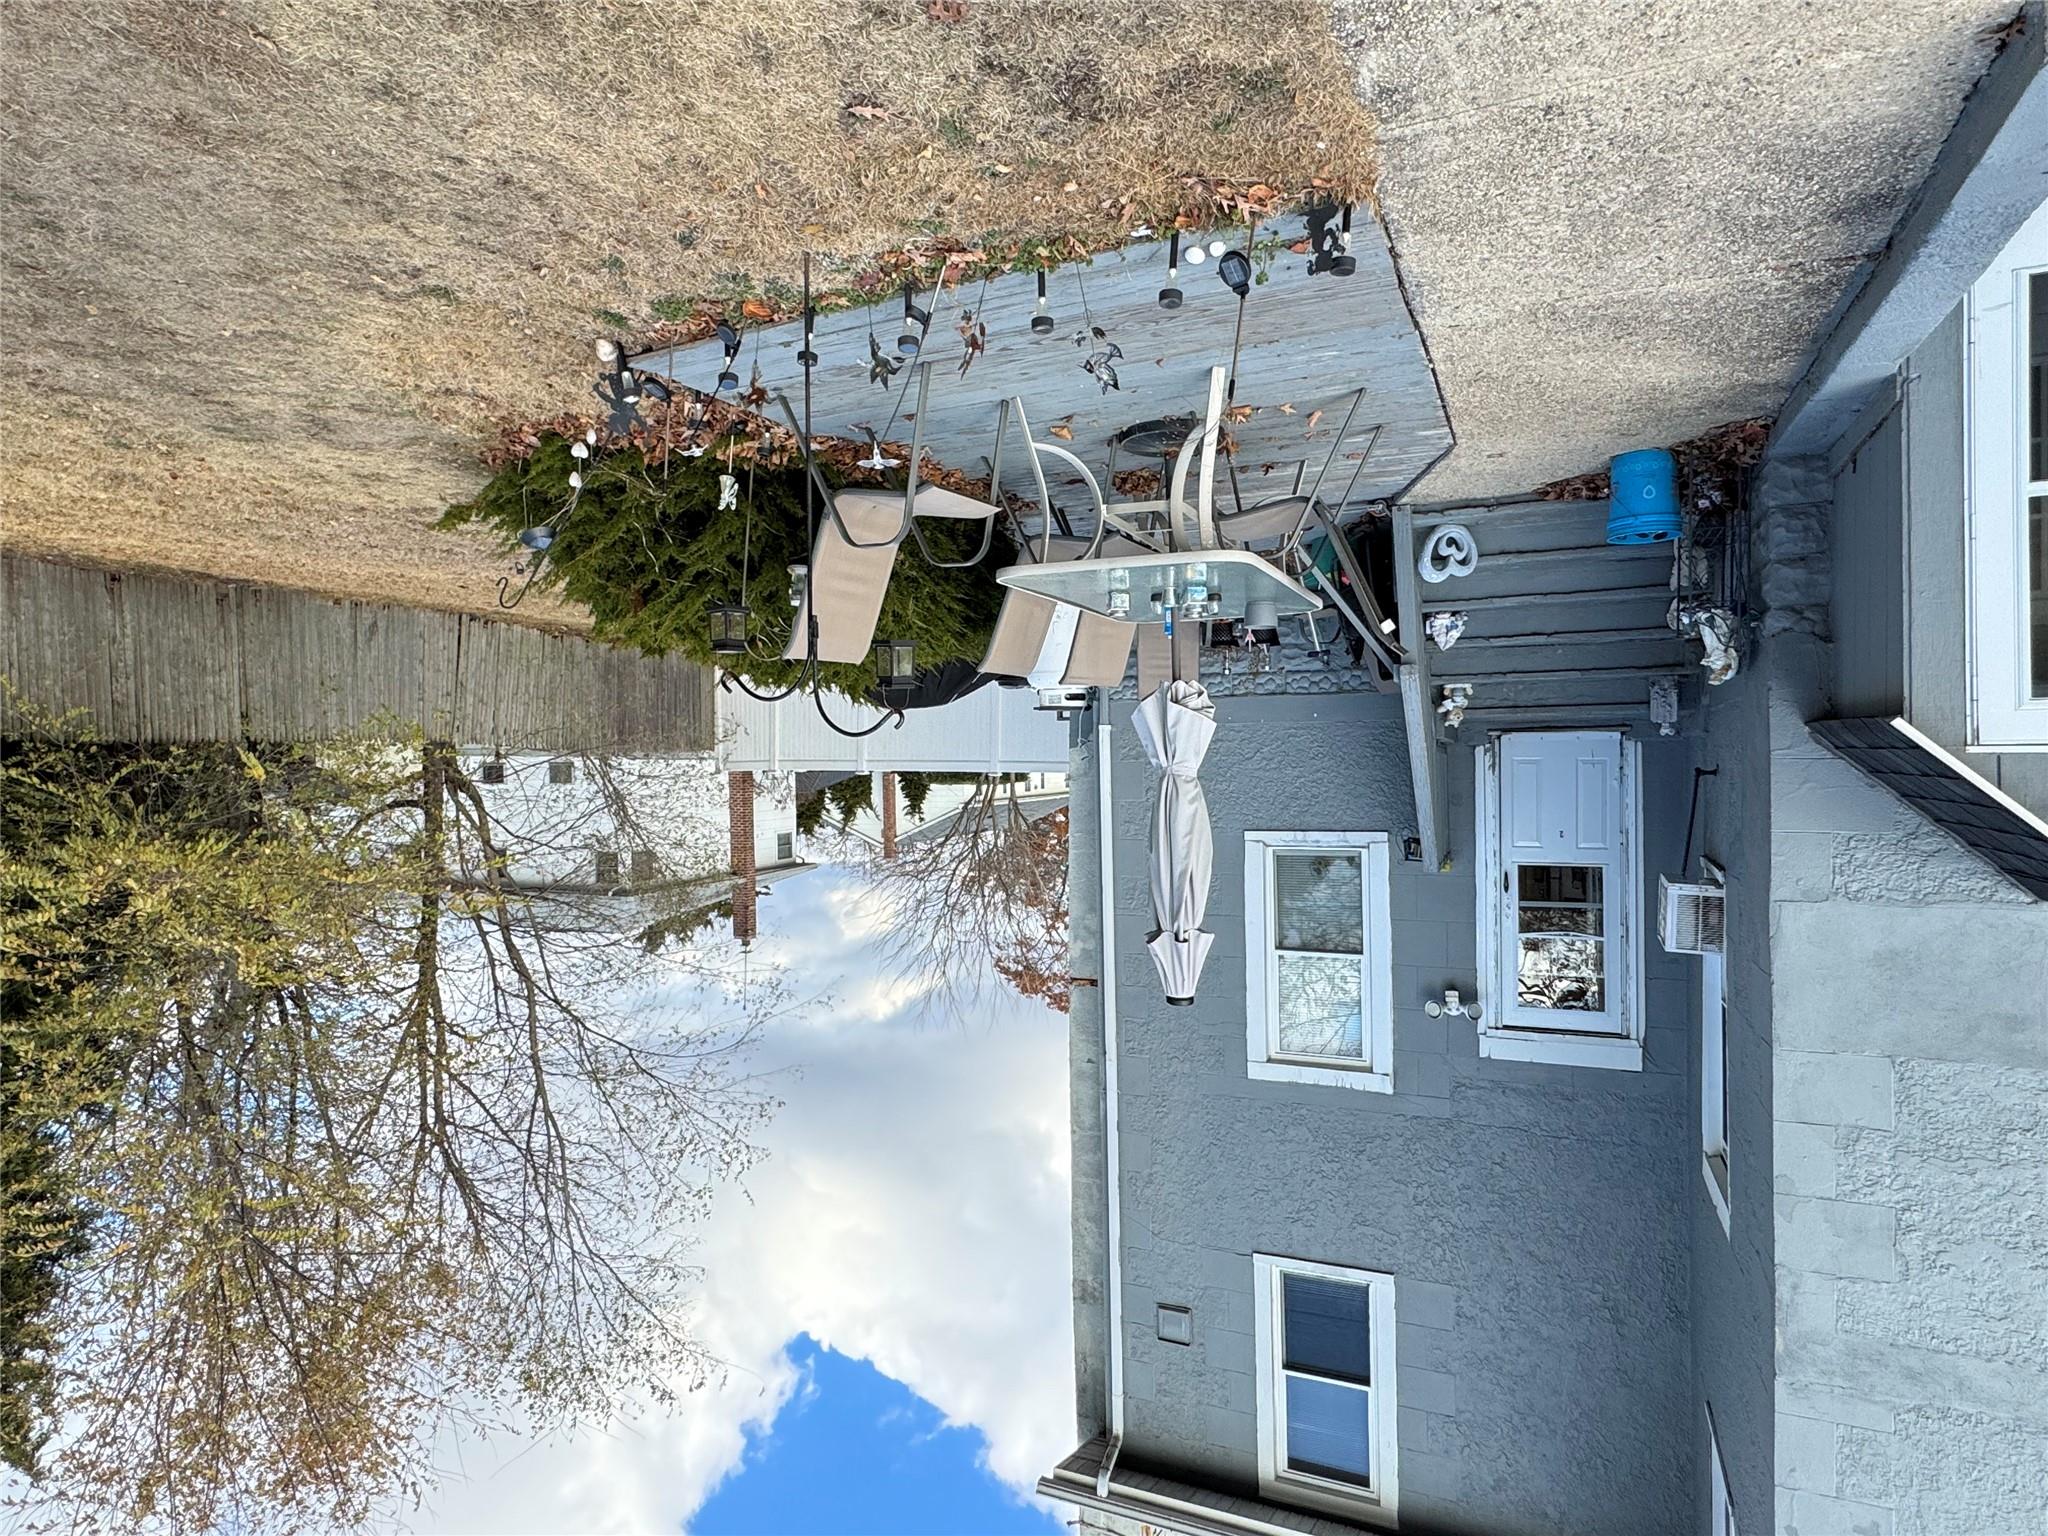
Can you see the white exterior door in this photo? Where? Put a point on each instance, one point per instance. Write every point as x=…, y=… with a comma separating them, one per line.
x=1566, y=900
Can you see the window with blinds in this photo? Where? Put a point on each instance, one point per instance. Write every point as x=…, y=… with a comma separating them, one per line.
x=1325, y=1347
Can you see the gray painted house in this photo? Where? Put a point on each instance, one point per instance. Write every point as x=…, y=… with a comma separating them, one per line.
x=1751, y=1240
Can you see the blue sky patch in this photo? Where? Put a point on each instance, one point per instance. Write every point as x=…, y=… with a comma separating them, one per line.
x=855, y=1453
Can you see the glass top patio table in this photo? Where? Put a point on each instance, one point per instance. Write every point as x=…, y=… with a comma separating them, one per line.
x=1139, y=587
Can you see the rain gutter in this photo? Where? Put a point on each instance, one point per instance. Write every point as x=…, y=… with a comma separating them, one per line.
x=1112, y=1177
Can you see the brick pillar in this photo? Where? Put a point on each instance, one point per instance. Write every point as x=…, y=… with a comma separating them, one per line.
x=888, y=815
x=740, y=814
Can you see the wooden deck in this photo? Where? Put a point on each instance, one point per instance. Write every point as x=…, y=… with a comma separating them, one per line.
x=1309, y=343
x=157, y=658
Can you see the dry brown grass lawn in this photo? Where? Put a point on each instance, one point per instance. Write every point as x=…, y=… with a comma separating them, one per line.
x=276, y=270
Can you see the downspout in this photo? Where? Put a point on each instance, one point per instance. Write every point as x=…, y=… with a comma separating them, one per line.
x=1113, y=1300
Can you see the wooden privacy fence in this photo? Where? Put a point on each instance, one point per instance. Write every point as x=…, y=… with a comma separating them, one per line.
x=158, y=658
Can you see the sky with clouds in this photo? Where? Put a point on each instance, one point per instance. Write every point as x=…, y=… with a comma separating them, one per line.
x=912, y=1214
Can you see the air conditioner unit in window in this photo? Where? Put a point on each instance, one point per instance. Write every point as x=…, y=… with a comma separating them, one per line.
x=1688, y=917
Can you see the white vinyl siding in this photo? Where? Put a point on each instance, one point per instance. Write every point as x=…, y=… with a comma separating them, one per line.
x=1324, y=1340
x=1319, y=964
x=2007, y=498
x=1559, y=917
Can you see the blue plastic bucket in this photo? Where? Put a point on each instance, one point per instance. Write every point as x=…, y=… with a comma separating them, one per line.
x=1642, y=498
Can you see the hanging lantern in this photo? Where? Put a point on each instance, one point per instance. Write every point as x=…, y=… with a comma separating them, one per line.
x=728, y=629
x=1170, y=295
x=894, y=664
x=915, y=321
x=808, y=357
x=1041, y=313
x=728, y=377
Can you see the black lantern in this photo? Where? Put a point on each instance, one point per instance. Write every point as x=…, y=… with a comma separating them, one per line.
x=808, y=357
x=1041, y=312
x=728, y=629
x=728, y=377
x=1235, y=268
x=915, y=323
x=1329, y=237
x=894, y=665
x=1170, y=295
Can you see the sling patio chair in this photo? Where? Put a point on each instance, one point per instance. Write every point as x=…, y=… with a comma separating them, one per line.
x=859, y=536
x=1101, y=647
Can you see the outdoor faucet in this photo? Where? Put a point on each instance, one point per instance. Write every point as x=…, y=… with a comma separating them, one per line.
x=1452, y=1004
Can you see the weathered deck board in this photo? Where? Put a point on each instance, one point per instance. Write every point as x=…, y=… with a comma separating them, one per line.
x=1309, y=342
x=157, y=658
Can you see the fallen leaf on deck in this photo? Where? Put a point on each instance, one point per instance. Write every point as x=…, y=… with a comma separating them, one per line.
x=1286, y=408
x=1064, y=433
x=1313, y=418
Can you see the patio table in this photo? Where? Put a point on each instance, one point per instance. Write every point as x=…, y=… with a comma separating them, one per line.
x=1149, y=588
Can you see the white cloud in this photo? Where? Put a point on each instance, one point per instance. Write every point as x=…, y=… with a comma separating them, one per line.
x=913, y=1211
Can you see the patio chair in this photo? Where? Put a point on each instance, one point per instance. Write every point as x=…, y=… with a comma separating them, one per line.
x=1101, y=649
x=1278, y=524
x=857, y=541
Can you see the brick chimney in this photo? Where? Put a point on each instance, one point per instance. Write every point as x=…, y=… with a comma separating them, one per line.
x=740, y=798
x=888, y=815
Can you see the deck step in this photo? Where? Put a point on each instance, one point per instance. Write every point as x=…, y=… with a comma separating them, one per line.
x=1486, y=513
x=1558, y=674
x=1548, y=599
x=1649, y=635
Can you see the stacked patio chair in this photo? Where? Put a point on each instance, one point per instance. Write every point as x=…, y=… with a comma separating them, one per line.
x=858, y=539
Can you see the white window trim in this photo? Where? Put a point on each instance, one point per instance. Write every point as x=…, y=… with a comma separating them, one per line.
x=1714, y=1159
x=1379, y=1505
x=1721, y=1515
x=1623, y=1052
x=1376, y=965
x=2003, y=715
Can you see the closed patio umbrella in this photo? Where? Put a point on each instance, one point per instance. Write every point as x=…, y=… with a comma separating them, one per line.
x=1175, y=725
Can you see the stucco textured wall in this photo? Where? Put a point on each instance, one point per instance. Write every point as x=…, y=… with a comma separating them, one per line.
x=1731, y=1268
x=1536, y=1217
x=1911, y=1070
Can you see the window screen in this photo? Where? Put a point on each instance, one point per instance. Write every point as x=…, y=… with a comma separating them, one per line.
x=494, y=772
x=785, y=845
x=607, y=868
x=643, y=865
x=561, y=771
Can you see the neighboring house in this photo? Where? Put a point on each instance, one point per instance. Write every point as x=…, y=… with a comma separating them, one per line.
x=991, y=730
x=885, y=825
x=1753, y=1239
x=628, y=829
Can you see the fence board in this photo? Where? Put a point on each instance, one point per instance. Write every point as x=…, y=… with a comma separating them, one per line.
x=170, y=659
